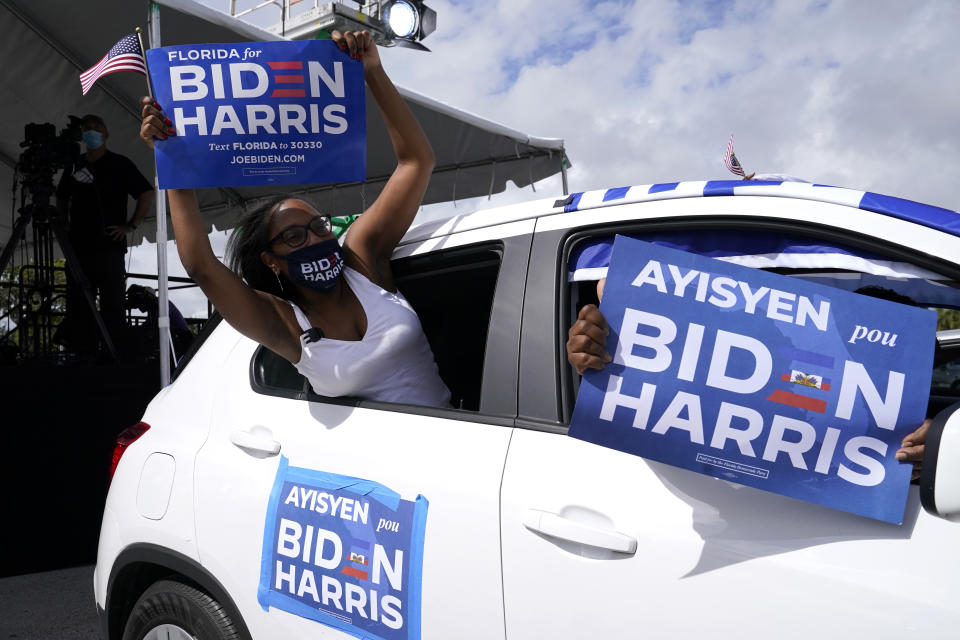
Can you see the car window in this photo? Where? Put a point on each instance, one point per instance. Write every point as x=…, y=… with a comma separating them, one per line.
x=829, y=261
x=452, y=293
x=272, y=374
x=205, y=331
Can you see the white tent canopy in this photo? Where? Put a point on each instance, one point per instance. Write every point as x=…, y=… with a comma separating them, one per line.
x=49, y=42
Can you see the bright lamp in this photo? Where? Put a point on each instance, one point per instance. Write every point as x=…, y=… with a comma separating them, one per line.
x=402, y=18
x=393, y=23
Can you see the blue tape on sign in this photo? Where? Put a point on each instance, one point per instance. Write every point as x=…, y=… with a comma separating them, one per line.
x=574, y=203
x=335, y=482
x=416, y=561
x=663, y=186
x=263, y=589
x=259, y=113
x=345, y=552
x=615, y=194
x=924, y=214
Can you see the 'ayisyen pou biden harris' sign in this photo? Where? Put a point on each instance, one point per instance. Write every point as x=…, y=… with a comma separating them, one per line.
x=259, y=113
x=345, y=552
x=769, y=381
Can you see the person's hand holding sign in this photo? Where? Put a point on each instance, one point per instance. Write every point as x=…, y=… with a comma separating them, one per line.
x=360, y=46
x=153, y=124
x=587, y=339
x=913, y=447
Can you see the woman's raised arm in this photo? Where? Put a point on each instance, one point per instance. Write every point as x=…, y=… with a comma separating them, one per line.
x=375, y=234
x=253, y=313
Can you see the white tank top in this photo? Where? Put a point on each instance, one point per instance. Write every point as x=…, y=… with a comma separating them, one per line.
x=392, y=363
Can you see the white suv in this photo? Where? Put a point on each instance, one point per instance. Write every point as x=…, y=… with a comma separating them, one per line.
x=512, y=529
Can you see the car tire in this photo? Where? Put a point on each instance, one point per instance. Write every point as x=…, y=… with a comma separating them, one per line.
x=174, y=610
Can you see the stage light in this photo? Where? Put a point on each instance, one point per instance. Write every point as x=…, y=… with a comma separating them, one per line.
x=407, y=22
x=401, y=23
x=402, y=19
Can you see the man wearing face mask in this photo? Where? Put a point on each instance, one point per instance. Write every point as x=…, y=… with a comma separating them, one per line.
x=93, y=194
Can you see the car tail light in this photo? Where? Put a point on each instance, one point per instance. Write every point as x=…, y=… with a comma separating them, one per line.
x=126, y=438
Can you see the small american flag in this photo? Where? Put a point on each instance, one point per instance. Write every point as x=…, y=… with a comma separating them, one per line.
x=123, y=56
x=730, y=159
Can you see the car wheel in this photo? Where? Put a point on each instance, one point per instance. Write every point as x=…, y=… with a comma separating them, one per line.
x=171, y=610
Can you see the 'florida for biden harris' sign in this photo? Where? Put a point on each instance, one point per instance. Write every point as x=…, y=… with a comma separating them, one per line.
x=259, y=113
x=769, y=381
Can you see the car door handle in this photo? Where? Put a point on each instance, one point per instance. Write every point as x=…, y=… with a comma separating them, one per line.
x=550, y=524
x=255, y=441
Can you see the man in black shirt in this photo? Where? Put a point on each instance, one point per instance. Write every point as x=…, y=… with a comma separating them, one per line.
x=94, y=194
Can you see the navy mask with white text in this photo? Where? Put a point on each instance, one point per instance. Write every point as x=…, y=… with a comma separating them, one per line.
x=316, y=266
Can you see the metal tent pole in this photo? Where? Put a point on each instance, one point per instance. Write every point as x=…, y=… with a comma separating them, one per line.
x=163, y=317
x=563, y=172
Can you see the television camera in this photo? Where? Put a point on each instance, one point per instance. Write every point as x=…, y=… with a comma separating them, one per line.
x=45, y=152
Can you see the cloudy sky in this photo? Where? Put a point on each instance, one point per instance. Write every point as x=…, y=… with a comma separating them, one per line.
x=863, y=94
x=856, y=93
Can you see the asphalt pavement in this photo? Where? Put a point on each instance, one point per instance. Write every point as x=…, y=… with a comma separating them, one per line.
x=54, y=605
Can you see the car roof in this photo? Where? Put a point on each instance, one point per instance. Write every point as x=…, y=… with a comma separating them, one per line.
x=940, y=219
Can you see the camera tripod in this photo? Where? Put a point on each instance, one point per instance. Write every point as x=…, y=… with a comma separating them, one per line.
x=46, y=221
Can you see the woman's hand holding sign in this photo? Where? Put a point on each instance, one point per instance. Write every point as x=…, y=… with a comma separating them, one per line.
x=360, y=46
x=153, y=124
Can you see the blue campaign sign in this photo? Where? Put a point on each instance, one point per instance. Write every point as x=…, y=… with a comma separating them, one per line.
x=345, y=552
x=259, y=113
x=769, y=381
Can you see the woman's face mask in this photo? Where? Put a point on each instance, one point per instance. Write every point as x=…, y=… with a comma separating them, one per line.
x=316, y=266
x=93, y=139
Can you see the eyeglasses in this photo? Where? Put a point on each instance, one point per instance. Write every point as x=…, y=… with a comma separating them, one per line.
x=295, y=235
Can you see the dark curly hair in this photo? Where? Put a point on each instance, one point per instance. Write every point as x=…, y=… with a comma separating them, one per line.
x=250, y=237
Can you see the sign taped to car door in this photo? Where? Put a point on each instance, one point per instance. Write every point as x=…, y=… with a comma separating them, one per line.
x=259, y=113
x=343, y=551
x=765, y=380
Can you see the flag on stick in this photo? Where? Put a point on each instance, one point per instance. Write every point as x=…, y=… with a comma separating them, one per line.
x=126, y=55
x=730, y=159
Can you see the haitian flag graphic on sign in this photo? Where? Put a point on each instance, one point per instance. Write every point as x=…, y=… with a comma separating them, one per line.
x=769, y=381
x=259, y=113
x=345, y=552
